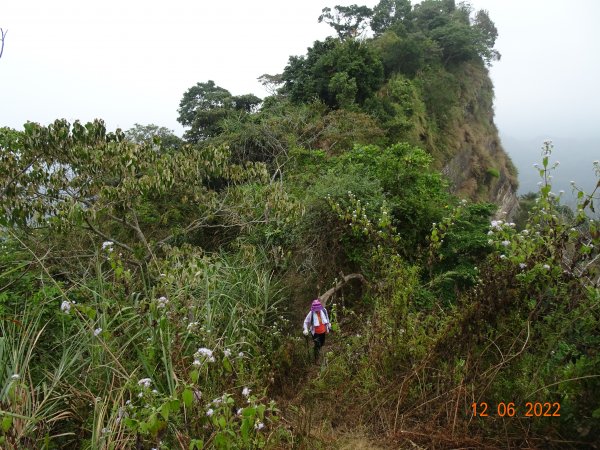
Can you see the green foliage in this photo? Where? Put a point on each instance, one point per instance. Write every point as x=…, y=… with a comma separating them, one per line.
x=205, y=105
x=161, y=137
x=391, y=14
x=329, y=63
x=347, y=21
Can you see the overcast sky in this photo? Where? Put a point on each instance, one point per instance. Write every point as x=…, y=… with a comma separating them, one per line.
x=130, y=61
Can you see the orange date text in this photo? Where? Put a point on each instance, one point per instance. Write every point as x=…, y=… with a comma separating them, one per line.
x=510, y=409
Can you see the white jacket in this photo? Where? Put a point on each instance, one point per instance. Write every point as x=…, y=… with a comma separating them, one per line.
x=315, y=320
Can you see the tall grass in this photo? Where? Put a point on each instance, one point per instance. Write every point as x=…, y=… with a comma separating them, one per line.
x=80, y=388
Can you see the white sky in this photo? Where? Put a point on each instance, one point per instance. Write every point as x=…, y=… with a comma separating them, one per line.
x=131, y=61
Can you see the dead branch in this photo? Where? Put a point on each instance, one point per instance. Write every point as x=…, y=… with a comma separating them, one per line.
x=2, y=36
x=345, y=279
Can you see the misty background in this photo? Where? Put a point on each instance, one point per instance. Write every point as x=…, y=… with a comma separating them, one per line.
x=130, y=62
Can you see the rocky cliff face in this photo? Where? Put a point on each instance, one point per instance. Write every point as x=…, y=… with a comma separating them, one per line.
x=473, y=158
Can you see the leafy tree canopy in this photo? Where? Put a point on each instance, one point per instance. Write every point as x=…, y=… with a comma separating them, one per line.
x=339, y=73
x=148, y=134
x=205, y=105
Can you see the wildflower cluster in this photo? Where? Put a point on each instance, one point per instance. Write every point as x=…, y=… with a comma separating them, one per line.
x=356, y=215
x=203, y=354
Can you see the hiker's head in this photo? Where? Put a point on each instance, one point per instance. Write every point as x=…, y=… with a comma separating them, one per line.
x=316, y=305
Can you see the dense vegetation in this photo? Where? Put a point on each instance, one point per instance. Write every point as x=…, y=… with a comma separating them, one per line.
x=152, y=288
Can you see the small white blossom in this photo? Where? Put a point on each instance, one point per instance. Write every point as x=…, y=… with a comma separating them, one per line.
x=259, y=426
x=240, y=354
x=239, y=412
x=145, y=382
x=162, y=302
x=65, y=306
x=502, y=256
x=490, y=241
x=490, y=233
x=104, y=430
x=210, y=412
x=97, y=331
x=246, y=392
x=203, y=351
x=546, y=266
x=197, y=363
x=15, y=376
x=227, y=353
x=107, y=245
x=505, y=243
x=522, y=265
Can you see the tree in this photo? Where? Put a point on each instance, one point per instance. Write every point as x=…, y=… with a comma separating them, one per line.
x=326, y=65
x=2, y=36
x=347, y=21
x=271, y=82
x=62, y=177
x=154, y=134
x=205, y=105
x=389, y=13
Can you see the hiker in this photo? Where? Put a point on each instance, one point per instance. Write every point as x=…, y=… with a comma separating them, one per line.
x=318, y=321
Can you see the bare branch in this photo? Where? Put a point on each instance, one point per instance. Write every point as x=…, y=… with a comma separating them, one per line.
x=345, y=279
x=2, y=36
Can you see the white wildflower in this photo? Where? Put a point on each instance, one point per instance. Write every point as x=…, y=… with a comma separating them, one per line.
x=490, y=233
x=522, y=265
x=145, y=382
x=502, y=256
x=197, y=363
x=505, y=243
x=239, y=412
x=490, y=241
x=65, y=306
x=227, y=353
x=104, y=430
x=15, y=376
x=107, y=245
x=259, y=426
x=210, y=412
x=192, y=326
x=546, y=266
x=97, y=331
x=246, y=392
x=240, y=354
x=203, y=351
x=162, y=302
